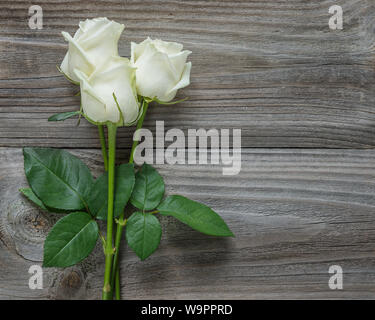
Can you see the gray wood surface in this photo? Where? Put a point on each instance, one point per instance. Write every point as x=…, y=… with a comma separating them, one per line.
x=294, y=212
x=271, y=68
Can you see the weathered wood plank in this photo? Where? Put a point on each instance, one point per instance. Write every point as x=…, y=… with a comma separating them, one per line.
x=295, y=212
x=271, y=68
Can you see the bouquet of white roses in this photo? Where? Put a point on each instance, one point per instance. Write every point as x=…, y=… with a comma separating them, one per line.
x=115, y=92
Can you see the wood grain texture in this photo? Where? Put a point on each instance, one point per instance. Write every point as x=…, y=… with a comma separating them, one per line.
x=294, y=212
x=272, y=68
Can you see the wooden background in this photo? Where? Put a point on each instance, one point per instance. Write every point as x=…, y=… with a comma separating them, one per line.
x=303, y=96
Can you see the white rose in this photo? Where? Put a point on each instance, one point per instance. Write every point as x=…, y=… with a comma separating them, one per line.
x=161, y=68
x=114, y=77
x=93, y=43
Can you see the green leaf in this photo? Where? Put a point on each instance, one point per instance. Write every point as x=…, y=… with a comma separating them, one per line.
x=196, y=215
x=63, y=116
x=29, y=194
x=59, y=179
x=148, y=189
x=143, y=234
x=124, y=183
x=70, y=240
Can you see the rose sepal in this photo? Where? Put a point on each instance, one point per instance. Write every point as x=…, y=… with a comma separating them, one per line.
x=155, y=99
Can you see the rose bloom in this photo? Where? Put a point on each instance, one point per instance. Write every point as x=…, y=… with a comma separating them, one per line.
x=161, y=68
x=109, y=93
x=94, y=42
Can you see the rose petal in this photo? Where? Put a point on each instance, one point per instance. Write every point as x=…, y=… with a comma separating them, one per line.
x=178, y=61
x=92, y=104
x=185, y=78
x=116, y=76
x=77, y=59
x=168, y=47
x=155, y=74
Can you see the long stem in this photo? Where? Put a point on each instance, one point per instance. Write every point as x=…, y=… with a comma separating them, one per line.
x=103, y=145
x=117, y=285
x=120, y=226
x=139, y=126
x=107, y=291
x=115, y=278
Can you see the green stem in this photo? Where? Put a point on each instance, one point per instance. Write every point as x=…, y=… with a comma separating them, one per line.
x=120, y=226
x=117, y=285
x=107, y=291
x=115, y=274
x=103, y=145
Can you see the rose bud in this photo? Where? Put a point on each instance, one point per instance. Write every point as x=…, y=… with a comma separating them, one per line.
x=161, y=68
x=94, y=42
x=109, y=93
